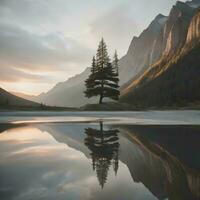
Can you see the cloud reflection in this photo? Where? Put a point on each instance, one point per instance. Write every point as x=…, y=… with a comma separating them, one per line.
x=43, y=168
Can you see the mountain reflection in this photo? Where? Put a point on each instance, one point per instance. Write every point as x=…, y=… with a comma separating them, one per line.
x=151, y=162
x=104, y=147
x=163, y=173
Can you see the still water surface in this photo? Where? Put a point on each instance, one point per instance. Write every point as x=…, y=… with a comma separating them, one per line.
x=96, y=160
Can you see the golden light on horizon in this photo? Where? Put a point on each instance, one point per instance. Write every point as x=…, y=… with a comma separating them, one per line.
x=25, y=88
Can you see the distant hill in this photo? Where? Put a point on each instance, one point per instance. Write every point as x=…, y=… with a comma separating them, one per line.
x=68, y=93
x=9, y=100
x=24, y=96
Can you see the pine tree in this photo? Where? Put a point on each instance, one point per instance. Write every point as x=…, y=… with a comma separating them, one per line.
x=103, y=80
x=104, y=147
x=102, y=57
x=93, y=68
x=116, y=63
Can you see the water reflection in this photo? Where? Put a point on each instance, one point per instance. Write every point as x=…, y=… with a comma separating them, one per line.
x=162, y=172
x=53, y=161
x=104, y=147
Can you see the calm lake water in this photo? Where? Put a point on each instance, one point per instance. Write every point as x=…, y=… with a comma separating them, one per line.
x=94, y=156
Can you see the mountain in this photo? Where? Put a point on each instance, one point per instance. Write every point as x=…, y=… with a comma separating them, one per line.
x=70, y=92
x=173, y=80
x=158, y=43
x=176, y=27
x=23, y=95
x=7, y=100
x=143, y=51
x=194, y=30
x=194, y=3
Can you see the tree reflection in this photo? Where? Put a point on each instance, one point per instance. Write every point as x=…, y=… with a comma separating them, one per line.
x=104, y=147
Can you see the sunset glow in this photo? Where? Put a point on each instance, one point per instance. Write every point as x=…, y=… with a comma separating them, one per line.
x=51, y=41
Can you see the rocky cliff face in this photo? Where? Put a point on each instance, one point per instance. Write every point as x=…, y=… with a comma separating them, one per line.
x=176, y=27
x=143, y=50
x=164, y=37
x=194, y=29
x=171, y=81
x=193, y=3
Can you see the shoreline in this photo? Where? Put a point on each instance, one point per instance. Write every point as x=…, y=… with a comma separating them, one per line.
x=172, y=117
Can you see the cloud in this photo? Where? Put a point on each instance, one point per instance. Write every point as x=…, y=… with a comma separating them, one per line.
x=57, y=171
x=125, y=20
x=45, y=15
x=116, y=26
x=35, y=46
x=21, y=49
x=41, y=38
x=12, y=74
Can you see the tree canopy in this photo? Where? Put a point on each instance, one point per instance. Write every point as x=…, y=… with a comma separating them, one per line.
x=104, y=147
x=103, y=80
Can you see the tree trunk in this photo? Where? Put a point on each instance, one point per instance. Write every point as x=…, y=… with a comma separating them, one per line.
x=101, y=99
x=101, y=94
x=101, y=130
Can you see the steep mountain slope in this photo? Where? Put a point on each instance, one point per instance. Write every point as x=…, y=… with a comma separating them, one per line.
x=171, y=37
x=176, y=27
x=194, y=3
x=143, y=50
x=70, y=92
x=170, y=81
x=7, y=99
x=193, y=35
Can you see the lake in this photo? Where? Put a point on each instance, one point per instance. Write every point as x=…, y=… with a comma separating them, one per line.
x=100, y=155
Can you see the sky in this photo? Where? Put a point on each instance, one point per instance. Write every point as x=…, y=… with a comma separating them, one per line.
x=43, y=42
